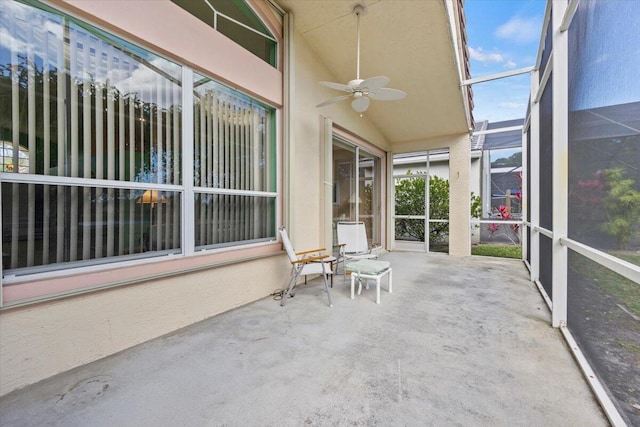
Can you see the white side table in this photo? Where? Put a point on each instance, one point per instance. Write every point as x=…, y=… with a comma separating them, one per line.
x=369, y=269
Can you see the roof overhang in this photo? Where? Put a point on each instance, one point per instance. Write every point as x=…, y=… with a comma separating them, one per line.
x=419, y=44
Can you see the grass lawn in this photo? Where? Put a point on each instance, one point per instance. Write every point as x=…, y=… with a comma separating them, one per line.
x=502, y=251
x=625, y=290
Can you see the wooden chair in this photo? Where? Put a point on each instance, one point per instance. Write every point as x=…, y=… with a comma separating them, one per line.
x=304, y=263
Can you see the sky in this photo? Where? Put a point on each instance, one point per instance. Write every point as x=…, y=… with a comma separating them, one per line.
x=502, y=35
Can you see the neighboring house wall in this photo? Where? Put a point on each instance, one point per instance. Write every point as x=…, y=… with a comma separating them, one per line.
x=440, y=168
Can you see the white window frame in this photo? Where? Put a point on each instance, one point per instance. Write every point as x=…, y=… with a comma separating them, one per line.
x=186, y=190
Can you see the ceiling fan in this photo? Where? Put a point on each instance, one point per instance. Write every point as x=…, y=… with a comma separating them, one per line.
x=361, y=90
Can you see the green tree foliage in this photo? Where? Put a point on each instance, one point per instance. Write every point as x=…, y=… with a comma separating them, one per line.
x=514, y=160
x=410, y=200
x=27, y=74
x=621, y=206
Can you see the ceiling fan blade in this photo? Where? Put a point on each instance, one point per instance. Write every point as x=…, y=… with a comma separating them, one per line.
x=360, y=105
x=387, y=94
x=374, y=83
x=337, y=86
x=333, y=100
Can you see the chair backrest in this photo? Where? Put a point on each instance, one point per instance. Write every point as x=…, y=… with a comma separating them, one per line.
x=354, y=236
x=287, y=245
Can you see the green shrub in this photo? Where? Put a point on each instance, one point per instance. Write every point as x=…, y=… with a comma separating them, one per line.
x=410, y=200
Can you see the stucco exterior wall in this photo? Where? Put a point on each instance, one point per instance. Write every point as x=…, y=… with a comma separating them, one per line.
x=306, y=229
x=42, y=340
x=459, y=197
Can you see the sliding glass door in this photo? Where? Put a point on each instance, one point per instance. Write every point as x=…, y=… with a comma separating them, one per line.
x=369, y=194
x=356, y=187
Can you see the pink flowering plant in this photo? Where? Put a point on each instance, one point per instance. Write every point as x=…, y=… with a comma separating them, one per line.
x=511, y=231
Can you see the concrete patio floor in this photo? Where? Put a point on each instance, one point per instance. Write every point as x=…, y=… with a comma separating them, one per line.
x=459, y=342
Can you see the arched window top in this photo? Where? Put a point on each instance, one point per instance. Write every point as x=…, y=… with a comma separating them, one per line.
x=236, y=20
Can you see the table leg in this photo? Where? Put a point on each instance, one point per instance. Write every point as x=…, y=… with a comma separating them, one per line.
x=352, y=285
x=331, y=267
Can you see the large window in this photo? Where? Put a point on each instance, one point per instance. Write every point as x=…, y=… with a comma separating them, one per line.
x=92, y=168
x=234, y=161
x=103, y=118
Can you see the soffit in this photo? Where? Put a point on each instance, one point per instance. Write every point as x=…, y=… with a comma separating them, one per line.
x=408, y=41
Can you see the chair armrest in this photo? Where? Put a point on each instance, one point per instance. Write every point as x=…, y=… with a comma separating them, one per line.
x=310, y=251
x=309, y=259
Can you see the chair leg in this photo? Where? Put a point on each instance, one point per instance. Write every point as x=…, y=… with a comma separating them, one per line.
x=332, y=272
x=292, y=284
x=344, y=270
x=326, y=283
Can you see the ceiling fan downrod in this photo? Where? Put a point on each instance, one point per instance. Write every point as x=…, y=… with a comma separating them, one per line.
x=358, y=10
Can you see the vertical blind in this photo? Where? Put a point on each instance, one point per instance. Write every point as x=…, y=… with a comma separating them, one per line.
x=235, y=192
x=98, y=115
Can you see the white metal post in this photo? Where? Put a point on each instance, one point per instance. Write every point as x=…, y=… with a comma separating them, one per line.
x=534, y=162
x=356, y=182
x=560, y=163
x=427, y=204
x=390, y=204
x=188, y=196
x=524, y=195
x=1, y=263
x=486, y=182
x=327, y=136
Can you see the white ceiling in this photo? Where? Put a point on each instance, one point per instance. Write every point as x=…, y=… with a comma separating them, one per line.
x=408, y=41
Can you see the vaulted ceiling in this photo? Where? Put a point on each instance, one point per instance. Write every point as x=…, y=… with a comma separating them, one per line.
x=409, y=41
